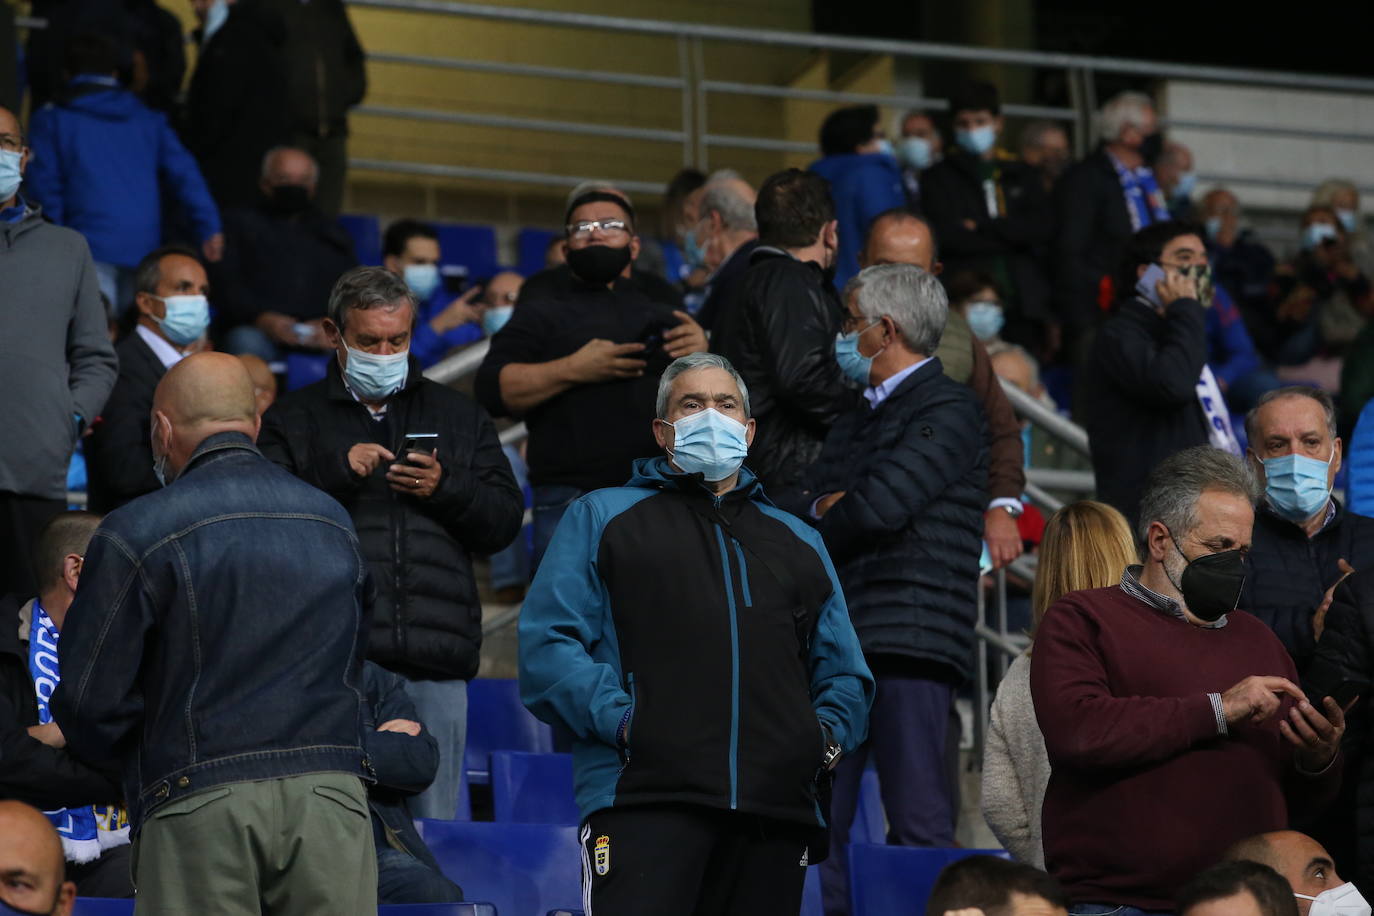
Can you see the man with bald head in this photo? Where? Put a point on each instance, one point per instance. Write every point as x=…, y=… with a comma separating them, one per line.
x=1306, y=865
x=281, y=259
x=231, y=703
x=31, y=864
x=56, y=362
x=726, y=234
x=898, y=237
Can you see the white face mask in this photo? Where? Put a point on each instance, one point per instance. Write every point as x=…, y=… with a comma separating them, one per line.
x=1345, y=900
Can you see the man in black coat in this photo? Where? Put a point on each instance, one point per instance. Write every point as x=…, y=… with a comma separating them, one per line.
x=35, y=766
x=898, y=494
x=281, y=259
x=170, y=290
x=1099, y=203
x=420, y=512
x=235, y=108
x=1142, y=398
x=780, y=335
x=991, y=213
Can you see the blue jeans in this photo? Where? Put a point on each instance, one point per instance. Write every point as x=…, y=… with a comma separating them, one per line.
x=550, y=502
x=402, y=878
x=907, y=732
x=1111, y=909
x=443, y=708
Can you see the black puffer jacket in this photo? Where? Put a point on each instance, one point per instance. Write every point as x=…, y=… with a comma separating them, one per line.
x=907, y=534
x=1290, y=573
x=781, y=338
x=427, y=622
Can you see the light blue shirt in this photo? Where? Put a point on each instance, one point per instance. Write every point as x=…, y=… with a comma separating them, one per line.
x=879, y=393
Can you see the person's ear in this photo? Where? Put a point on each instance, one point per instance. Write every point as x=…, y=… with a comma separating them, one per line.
x=24, y=160
x=830, y=235
x=257, y=425
x=71, y=569
x=66, y=899
x=1337, y=447
x=1157, y=542
x=663, y=434
x=717, y=223
x=332, y=332
x=392, y=263
x=150, y=305
x=162, y=430
x=997, y=124
x=750, y=427
x=634, y=248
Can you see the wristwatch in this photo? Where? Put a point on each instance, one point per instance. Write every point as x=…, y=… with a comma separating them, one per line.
x=833, y=751
x=1014, y=511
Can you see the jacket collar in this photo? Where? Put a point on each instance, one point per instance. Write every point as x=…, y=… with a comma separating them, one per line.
x=1335, y=514
x=31, y=220
x=658, y=474
x=931, y=369
x=216, y=446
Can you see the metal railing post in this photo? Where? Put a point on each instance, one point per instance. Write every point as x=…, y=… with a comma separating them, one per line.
x=1000, y=583
x=699, y=76
x=684, y=69
x=981, y=703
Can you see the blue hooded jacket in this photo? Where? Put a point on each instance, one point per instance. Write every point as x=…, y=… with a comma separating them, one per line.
x=697, y=646
x=99, y=159
x=862, y=185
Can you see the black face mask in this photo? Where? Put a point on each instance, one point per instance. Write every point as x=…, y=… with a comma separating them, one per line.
x=1152, y=146
x=1211, y=583
x=288, y=199
x=598, y=263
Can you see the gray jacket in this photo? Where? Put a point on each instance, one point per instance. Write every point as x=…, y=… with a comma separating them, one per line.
x=1016, y=767
x=56, y=359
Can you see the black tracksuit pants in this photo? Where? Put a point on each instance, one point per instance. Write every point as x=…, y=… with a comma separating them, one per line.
x=690, y=860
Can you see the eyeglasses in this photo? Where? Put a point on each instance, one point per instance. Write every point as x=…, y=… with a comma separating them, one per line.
x=506, y=299
x=854, y=323
x=607, y=226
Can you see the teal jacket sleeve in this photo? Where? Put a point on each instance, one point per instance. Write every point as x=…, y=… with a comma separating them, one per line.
x=841, y=684
x=569, y=660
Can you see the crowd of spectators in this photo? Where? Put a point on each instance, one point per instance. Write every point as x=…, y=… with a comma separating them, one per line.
x=804, y=433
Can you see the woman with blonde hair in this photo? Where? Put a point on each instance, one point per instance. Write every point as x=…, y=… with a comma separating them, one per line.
x=1086, y=545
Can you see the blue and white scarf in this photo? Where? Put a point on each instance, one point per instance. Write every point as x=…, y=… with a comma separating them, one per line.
x=1144, y=200
x=88, y=831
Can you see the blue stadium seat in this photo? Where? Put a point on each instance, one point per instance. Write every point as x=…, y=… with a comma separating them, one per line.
x=811, y=893
x=498, y=721
x=521, y=868
x=869, y=825
x=532, y=788
x=896, y=880
x=102, y=906
x=530, y=247
x=438, y=909
x=306, y=368
x=472, y=248
x=367, y=236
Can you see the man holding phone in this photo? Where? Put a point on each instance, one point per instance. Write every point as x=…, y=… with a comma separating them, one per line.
x=1146, y=393
x=420, y=470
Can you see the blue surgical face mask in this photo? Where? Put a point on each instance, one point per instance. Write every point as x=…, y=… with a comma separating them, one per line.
x=1297, y=486
x=709, y=443
x=1316, y=233
x=985, y=319
x=495, y=318
x=694, y=254
x=915, y=152
x=1349, y=219
x=885, y=146
x=9, y=173
x=7, y=910
x=978, y=140
x=215, y=18
x=374, y=377
x=186, y=319
x=1212, y=226
x=1187, y=184
x=423, y=280
x=853, y=364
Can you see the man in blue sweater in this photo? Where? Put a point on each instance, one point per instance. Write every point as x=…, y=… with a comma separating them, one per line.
x=100, y=159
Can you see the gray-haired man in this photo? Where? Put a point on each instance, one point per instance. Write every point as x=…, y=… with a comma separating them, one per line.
x=899, y=494
x=694, y=640
x=419, y=468
x=1162, y=704
x=726, y=234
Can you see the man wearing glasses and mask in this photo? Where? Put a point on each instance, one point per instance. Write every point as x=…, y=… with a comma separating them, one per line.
x=581, y=365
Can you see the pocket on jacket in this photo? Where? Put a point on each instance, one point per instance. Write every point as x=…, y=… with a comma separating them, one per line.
x=343, y=799
x=192, y=802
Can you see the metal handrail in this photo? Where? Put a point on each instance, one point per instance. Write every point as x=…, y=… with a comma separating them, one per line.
x=1055, y=479
x=548, y=179
x=539, y=70
x=924, y=49
x=507, y=121
x=1061, y=428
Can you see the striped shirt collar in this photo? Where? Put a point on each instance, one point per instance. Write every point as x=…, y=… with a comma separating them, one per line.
x=1130, y=584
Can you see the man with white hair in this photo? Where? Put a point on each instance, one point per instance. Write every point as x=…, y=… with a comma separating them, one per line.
x=1177, y=179
x=898, y=494
x=726, y=233
x=698, y=770
x=1100, y=203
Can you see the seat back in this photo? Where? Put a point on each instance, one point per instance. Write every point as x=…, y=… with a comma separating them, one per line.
x=102, y=906
x=498, y=721
x=521, y=868
x=366, y=232
x=437, y=909
x=812, y=904
x=471, y=249
x=897, y=880
x=532, y=788
x=530, y=247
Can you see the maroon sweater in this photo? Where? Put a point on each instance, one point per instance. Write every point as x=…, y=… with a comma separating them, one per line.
x=1143, y=792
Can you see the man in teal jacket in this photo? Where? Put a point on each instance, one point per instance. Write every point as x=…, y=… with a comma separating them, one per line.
x=695, y=641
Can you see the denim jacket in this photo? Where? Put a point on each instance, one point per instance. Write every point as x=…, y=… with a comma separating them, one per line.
x=214, y=637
